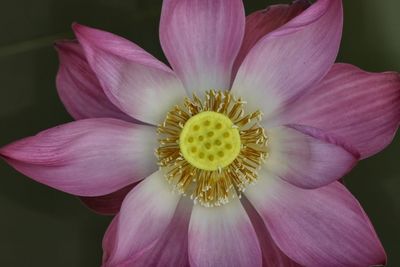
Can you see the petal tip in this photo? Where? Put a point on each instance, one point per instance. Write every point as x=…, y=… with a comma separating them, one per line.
x=76, y=26
x=6, y=152
x=2, y=153
x=64, y=45
x=80, y=30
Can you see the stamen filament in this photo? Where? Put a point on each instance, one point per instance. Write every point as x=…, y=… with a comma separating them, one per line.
x=212, y=187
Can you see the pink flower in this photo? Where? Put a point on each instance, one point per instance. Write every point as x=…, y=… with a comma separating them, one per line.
x=268, y=117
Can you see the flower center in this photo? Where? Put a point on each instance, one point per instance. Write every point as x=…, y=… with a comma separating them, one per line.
x=210, y=148
x=209, y=141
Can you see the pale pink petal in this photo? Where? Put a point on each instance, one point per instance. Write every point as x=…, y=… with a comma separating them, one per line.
x=319, y=227
x=89, y=157
x=201, y=39
x=223, y=236
x=292, y=58
x=262, y=22
x=272, y=255
x=108, y=204
x=109, y=238
x=308, y=157
x=172, y=248
x=79, y=88
x=144, y=217
x=363, y=108
x=133, y=80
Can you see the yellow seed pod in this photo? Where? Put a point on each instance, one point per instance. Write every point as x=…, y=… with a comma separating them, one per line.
x=209, y=141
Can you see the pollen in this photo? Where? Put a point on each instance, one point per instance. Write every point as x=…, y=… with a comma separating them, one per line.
x=209, y=141
x=210, y=148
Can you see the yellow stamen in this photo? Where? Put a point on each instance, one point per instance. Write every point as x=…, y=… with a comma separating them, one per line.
x=211, y=149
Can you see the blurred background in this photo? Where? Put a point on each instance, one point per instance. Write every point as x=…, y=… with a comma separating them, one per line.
x=43, y=227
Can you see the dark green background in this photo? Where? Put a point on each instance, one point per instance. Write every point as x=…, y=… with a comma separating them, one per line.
x=43, y=227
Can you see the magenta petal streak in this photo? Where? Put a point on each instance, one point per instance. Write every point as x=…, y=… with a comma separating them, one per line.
x=109, y=204
x=89, y=157
x=362, y=108
x=272, y=255
x=291, y=59
x=320, y=227
x=223, y=236
x=132, y=79
x=145, y=215
x=308, y=157
x=171, y=249
x=262, y=22
x=79, y=88
x=201, y=39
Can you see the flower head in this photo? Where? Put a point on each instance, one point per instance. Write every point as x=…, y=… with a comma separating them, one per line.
x=234, y=153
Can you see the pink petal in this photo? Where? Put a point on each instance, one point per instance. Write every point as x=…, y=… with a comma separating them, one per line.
x=308, y=157
x=223, y=236
x=108, y=204
x=320, y=227
x=172, y=248
x=79, y=88
x=272, y=255
x=291, y=59
x=262, y=22
x=145, y=215
x=363, y=108
x=109, y=238
x=132, y=79
x=201, y=39
x=89, y=157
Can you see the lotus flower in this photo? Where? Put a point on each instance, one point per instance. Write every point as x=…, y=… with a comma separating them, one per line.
x=251, y=126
